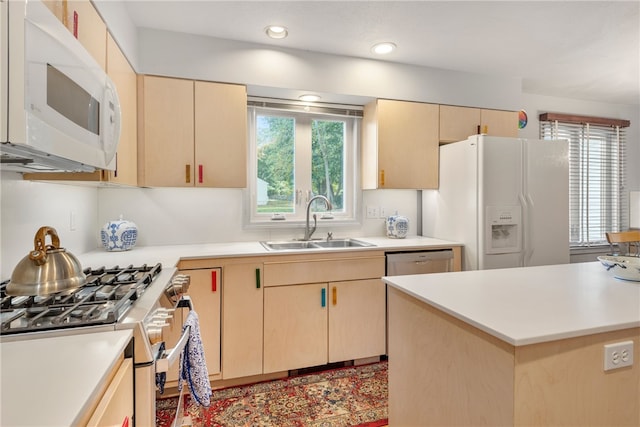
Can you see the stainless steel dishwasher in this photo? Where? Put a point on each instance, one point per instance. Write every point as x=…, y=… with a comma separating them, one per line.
x=419, y=262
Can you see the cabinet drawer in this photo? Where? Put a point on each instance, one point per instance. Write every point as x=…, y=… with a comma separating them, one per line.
x=322, y=270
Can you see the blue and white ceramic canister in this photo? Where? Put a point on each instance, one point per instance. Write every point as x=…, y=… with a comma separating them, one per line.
x=119, y=235
x=397, y=226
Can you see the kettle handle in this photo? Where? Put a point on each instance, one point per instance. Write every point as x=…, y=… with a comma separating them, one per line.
x=39, y=253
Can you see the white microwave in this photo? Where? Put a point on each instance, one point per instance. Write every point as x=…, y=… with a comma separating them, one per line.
x=62, y=110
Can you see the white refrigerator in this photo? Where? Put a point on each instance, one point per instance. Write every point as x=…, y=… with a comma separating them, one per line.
x=505, y=199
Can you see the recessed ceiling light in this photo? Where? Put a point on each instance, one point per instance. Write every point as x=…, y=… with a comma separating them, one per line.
x=276, y=31
x=309, y=97
x=383, y=48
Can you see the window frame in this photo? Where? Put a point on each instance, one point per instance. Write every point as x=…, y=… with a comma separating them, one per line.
x=352, y=185
x=611, y=208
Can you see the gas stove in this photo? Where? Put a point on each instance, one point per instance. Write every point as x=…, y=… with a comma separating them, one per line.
x=105, y=298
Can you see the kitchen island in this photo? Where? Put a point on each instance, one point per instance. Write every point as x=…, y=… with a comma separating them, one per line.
x=512, y=347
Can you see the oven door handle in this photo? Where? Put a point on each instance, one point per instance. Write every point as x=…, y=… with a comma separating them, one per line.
x=169, y=357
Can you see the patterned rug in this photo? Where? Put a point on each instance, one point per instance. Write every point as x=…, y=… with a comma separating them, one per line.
x=343, y=397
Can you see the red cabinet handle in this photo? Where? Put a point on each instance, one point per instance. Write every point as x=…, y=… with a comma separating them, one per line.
x=214, y=281
x=200, y=168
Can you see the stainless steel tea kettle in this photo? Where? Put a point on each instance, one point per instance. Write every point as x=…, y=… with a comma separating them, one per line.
x=48, y=269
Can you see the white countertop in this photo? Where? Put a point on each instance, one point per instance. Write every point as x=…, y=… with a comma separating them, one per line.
x=532, y=304
x=50, y=381
x=53, y=381
x=170, y=255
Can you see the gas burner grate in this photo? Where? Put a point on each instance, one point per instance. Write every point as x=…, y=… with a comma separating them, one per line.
x=104, y=298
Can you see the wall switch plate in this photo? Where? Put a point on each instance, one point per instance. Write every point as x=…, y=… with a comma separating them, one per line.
x=618, y=355
x=382, y=212
x=372, y=212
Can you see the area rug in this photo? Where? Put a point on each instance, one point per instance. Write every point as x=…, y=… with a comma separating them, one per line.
x=343, y=397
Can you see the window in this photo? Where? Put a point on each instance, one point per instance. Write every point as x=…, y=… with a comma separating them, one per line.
x=597, y=182
x=297, y=154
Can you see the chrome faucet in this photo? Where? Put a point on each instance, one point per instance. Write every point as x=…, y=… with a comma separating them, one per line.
x=307, y=230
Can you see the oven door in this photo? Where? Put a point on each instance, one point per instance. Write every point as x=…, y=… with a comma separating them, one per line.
x=169, y=351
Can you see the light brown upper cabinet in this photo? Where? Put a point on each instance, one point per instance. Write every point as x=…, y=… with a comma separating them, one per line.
x=191, y=133
x=82, y=20
x=221, y=135
x=458, y=123
x=400, y=145
x=124, y=78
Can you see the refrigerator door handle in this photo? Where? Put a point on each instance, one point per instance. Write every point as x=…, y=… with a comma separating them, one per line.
x=529, y=230
x=524, y=232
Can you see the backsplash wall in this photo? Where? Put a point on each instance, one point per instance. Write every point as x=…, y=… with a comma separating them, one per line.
x=164, y=216
x=170, y=216
x=28, y=205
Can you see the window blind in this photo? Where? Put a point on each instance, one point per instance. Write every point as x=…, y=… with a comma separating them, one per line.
x=597, y=179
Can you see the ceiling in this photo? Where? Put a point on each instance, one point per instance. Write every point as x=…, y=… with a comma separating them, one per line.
x=582, y=50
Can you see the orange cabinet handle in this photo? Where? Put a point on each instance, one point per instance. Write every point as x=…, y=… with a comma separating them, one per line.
x=214, y=280
x=187, y=176
x=382, y=178
x=334, y=296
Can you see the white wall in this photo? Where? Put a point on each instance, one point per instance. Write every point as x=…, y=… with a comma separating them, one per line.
x=176, y=216
x=27, y=206
x=208, y=215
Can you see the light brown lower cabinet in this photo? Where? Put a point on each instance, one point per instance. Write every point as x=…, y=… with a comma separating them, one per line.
x=205, y=292
x=116, y=405
x=280, y=313
x=311, y=317
x=295, y=327
x=242, y=318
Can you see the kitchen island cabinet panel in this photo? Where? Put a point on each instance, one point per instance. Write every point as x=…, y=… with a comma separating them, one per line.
x=295, y=327
x=400, y=145
x=524, y=347
x=441, y=372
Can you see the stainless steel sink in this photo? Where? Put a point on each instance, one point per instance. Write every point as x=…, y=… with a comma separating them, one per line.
x=314, y=244
x=284, y=246
x=342, y=243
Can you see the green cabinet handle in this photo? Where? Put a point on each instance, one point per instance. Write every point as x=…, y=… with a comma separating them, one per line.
x=323, y=298
x=257, y=278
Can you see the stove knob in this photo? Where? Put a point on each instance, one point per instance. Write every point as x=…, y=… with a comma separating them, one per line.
x=159, y=323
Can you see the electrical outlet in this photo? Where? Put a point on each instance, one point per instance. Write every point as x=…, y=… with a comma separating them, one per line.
x=382, y=212
x=372, y=212
x=72, y=221
x=618, y=355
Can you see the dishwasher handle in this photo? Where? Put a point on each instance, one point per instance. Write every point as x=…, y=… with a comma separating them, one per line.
x=436, y=261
